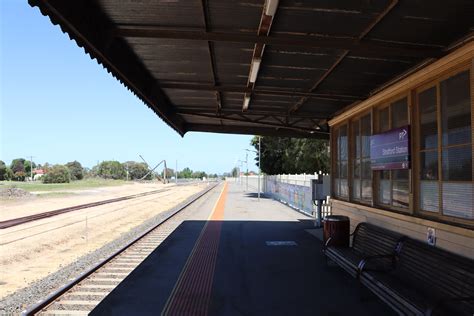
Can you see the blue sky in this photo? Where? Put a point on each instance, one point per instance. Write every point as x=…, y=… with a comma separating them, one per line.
x=59, y=105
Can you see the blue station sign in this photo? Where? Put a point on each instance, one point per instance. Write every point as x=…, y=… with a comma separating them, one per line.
x=391, y=149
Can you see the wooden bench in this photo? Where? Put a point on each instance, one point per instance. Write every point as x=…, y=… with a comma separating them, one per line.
x=367, y=241
x=424, y=280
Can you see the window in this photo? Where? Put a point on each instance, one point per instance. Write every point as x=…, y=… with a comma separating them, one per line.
x=428, y=153
x=445, y=149
x=393, y=185
x=361, y=170
x=341, y=188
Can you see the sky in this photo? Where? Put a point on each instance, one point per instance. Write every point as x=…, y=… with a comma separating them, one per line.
x=58, y=105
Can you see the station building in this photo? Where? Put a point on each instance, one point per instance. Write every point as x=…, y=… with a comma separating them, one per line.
x=428, y=187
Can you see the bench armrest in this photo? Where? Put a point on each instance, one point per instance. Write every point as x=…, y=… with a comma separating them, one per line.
x=439, y=302
x=363, y=262
x=326, y=244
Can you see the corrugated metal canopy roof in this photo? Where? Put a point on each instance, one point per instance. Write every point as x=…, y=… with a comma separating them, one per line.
x=190, y=60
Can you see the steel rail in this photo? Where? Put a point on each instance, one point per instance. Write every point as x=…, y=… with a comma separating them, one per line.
x=22, y=220
x=40, y=305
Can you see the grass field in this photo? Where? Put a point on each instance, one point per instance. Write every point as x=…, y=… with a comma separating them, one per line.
x=73, y=185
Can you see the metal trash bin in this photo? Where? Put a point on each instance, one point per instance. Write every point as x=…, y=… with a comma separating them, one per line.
x=337, y=227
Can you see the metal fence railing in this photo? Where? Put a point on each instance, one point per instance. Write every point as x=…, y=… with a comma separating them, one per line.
x=295, y=191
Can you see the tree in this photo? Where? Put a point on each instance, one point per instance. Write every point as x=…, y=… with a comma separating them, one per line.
x=273, y=153
x=111, y=170
x=27, y=166
x=185, y=173
x=9, y=174
x=87, y=172
x=3, y=171
x=169, y=173
x=292, y=155
x=18, y=165
x=46, y=167
x=76, y=170
x=198, y=175
x=235, y=172
x=57, y=174
x=94, y=172
x=137, y=170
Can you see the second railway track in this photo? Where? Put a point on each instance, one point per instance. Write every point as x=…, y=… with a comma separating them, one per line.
x=82, y=294
x=30, y=218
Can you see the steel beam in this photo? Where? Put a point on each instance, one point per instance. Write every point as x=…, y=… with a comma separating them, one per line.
x=308, y=41
x=194, y=110
x=260, y=91
x=257, y=130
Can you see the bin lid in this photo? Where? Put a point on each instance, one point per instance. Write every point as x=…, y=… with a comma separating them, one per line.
x=337, y=218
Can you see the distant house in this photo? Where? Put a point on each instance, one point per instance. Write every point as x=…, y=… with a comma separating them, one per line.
x=38, y=173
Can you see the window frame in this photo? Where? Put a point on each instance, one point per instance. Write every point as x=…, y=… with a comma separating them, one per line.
x=352, y=156
x=439, y=215
x=335, y=160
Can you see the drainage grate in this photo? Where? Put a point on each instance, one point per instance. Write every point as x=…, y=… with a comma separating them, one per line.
x=281, y=243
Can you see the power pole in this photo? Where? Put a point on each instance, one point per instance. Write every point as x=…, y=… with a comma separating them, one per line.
x=31, y=167
x=127, y=170
x=176, y=172
x=164, y=172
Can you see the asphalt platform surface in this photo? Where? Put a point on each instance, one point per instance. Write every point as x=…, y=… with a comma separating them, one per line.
x=239, y=256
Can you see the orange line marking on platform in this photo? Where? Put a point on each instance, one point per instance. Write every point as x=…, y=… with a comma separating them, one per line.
x=192, y=292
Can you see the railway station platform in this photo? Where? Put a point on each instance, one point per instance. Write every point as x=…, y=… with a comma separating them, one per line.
x=240, y=256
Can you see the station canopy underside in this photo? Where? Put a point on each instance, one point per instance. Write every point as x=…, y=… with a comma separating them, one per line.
x=254, y=67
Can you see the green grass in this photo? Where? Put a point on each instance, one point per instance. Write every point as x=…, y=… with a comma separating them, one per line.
x=73, y=185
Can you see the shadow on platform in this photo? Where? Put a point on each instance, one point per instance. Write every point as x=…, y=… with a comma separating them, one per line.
x=254, y=195
x=262, y=268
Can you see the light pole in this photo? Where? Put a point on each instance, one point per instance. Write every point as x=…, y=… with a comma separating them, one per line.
x=247, y=173
x=259, y=167
x=241, y=162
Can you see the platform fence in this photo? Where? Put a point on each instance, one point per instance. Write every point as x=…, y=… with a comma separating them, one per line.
x=294, y=190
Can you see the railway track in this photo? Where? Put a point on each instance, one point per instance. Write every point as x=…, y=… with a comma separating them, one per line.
x=82, y=294
x=22, y=220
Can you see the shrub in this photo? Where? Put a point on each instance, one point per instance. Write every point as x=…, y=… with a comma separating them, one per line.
x=19, y=176
x=57, y=174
